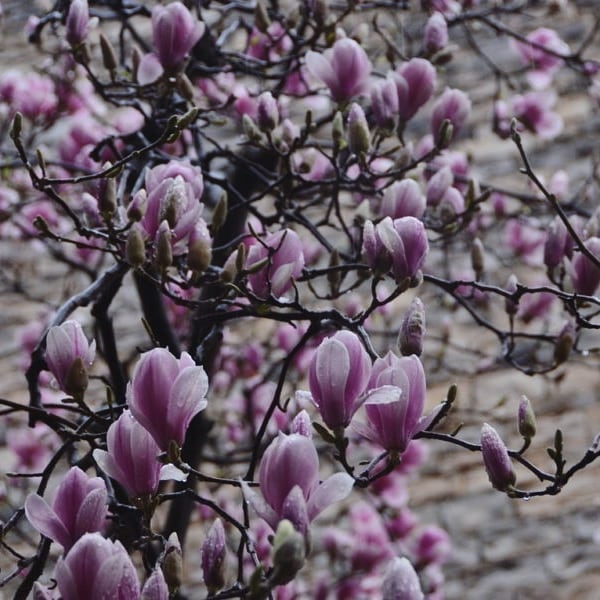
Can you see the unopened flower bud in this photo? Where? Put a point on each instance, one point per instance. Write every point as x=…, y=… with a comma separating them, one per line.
x=109, y=56
x=289, y=553
x=251, y=129
x=412, y=330
x=135, y=248
x=137, y=207
x=164, y=251
x=400, y=581
x=496, y=459
x=213, y=557
x=478, y=257
x=107, y=200
x=564, y=343
x=526, y=418
x=302, y=424
x=436, y=33
x=261, y=17
x=219, y=213
x=199, y=253
x=267, y=115
x=359, y=137
x=78, y=19
x=172, y=563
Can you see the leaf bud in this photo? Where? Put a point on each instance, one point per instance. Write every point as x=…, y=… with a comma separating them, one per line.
x=109, y=56
x=289, y=553
x=135, y=248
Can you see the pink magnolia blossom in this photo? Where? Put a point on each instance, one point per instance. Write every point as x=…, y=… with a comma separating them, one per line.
x=213, y=557
x=289, y=483
x=415, y=84
x=394, y=406
x=534, y=111
x=542, y=64
x=401, y=581
x=176, y=32
x=156, y=587
x=496, y=459
x=399, y=246
x=384, y=103
x=33, y=95
x=284, y=258
x=165, y=393
x=454, y=106
x=435, y=36
x=584, y=273
x=97, y=568
x=79, y=507
x=172, y=193
x=77, y=23
x=403, y=199
x=338, y=375
x=132, y=457
x=65, y=344
x=344, y=69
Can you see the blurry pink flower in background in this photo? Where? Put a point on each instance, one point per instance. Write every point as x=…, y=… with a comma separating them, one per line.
x=415, y=84
x=542, y=64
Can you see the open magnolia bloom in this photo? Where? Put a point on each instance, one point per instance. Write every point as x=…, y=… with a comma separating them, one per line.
x=165, y=393
x=79, y=507
x=132, y=458
x=289, y=482
x=394, y=409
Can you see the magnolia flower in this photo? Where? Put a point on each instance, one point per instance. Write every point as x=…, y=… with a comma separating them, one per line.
x=172, y=193
x=176, y=32
x=542, y=54
x=384, y=102
x=213, y=557
x=77, y=23
x=584, y=273
x=394, y=408
x=79, y=507
x=338, y=375
x=496, y=459
x=435, y=36
x=282, y=260
x=401, y=582
x=534, y=111
x=412, y=329
x=132, y=457
x=165, y=393
x=68, y=354
x=453, y=106
x=415, y=84
x=97, y=568
x=403, y=199
x=156, y=587
x=399, y=246
x=343, y=68
x=289, y=482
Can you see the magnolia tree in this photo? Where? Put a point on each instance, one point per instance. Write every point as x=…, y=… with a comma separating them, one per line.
x=270, y=200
